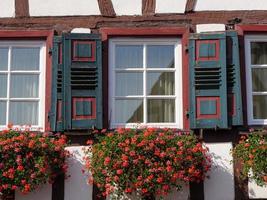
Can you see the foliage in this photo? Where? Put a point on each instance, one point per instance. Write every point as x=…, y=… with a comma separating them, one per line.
x=146, y=161
x=252, y=153
x=29, y=159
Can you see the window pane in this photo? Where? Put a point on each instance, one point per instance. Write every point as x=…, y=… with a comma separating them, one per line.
x=161, y=110
x=3, y=58
x=128, y=111
x=129, y=84
x=24, y=85
x=259, y=103
x=160, y=56
x=23, y=113
x=160, y=83
x=129, y=56
x=259, y=83
x=3, y=113
x=24, y=58
x=258, y=53
x=3, y=86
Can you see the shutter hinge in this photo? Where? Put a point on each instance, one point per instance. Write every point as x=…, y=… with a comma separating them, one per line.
x=50, y=52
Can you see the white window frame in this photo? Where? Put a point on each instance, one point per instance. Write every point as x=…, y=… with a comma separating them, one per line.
x=42, y=71
x=249, y=66
x=177, y=73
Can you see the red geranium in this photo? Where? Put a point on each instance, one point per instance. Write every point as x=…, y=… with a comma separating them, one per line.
x=29, y=159
x=148, y=161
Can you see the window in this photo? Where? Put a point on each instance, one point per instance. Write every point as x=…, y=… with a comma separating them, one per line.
x=22, y=83
x=256, y=68
x=145, y=83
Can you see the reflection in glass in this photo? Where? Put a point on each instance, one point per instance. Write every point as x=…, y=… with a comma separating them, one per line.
x=160, y=56
x=128, y=111
x=24, y=85
x=23, y=113
x=258, y=53
x=129, y=84
x=25, y=58
x=161, y=110
x=259, y=83
x=259, y=105
x=160, y=83
x=129, y=56
x=3, y=113
x=3, y=86
x=3, y=58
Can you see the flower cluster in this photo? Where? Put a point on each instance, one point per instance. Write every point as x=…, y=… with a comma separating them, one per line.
x=252, y=153
x=148, y=161
x=29, y=159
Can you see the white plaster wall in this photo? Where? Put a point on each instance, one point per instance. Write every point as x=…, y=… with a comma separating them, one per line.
x=7, y=8
x=63, y=7
x=255, y=191
x=231, y=5
x=76, y=186
x=170, y=6
x=210, y=27
x=127, y=7
x=220, y=185
x=42, y=193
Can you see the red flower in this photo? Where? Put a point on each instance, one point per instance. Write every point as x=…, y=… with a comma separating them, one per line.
x=119, y=171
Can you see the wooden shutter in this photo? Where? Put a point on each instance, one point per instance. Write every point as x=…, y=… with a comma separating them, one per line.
x=208, y=83
x=79, y=97
x=55, y=115
x=233, y=80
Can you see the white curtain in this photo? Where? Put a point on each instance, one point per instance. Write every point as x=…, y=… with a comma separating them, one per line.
x=24, y=86
x=25, y=58
x=23, y=113
x=2, y=113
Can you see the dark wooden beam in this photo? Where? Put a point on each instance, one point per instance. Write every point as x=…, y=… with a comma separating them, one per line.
x=58, y=188
x=106, y=8
x=148, y=7
x=190, y=5
x=22, y=8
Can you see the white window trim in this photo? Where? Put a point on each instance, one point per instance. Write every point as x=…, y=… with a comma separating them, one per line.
x=178, y=81
x=248, y=40
x=42, y=85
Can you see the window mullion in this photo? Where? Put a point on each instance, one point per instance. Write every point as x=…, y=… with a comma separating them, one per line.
x=144, y=81
x=8, y=84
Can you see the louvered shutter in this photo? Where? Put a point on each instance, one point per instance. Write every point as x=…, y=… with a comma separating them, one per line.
x=55, y=115
x=79, y=102
x=233, y=80
x=208, y=83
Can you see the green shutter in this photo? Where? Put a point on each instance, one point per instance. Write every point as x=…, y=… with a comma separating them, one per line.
x=233, y=80
x=81, y=89
x=208, y=83
x=55, y=116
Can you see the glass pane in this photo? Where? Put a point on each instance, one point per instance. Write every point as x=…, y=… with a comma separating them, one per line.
x=259, y=83
x=3, y=113
x=24, y=86
x=259, y=103
x=129, y=56
x=3, y=58
x=3, y=85
x=24, y=58
x=23, y=113
x=161, y=110
x=128, y=111
x=258, y=53
x=160, y=56
x=129, y=84
x=160, y=83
